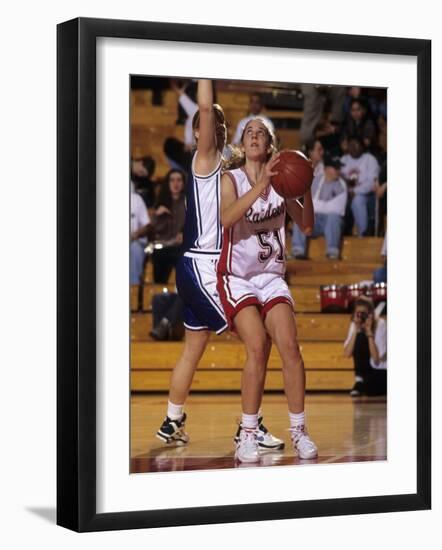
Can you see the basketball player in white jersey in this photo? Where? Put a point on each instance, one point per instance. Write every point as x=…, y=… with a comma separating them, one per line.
x=196, y=271
x=251, y=283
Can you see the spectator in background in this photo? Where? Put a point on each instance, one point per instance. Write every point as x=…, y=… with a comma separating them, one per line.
x=355, y=92
x=255, y=109
x=139, y=229
x=328, y=132
x=142, y=170
x=167, y=324
x=360, y=170
x=178, y=153
x=168, y=224
x=190, y=89
x=315, y=98
x=380, y=274
x=190, y=107
x=315, y=152
x=367, y=343
x=329, y=194
x=359, y=124
x=381, y=195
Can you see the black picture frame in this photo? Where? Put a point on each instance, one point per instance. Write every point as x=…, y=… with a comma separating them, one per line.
x=76, y=273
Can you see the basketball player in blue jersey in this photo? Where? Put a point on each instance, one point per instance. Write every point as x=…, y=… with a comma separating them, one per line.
x=196, y=277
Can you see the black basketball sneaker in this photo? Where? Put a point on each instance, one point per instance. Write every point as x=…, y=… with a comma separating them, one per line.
x=172, y=431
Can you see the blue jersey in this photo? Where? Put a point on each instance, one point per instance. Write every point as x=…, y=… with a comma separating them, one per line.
x=202, y=229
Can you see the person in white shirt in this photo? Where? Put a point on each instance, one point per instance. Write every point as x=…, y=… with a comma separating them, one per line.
x=329, y=194
x=190, y=107
x=139, y=228
x=367, y=343
x=255, y=109
x=361, y=171
x=179, y=154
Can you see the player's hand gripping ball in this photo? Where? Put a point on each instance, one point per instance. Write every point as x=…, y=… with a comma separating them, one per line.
x=295, y=174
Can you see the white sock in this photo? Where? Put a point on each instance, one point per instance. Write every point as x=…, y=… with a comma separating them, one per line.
x=249, y=421
x=297, y=420
x=174, y=412
x=358, y=378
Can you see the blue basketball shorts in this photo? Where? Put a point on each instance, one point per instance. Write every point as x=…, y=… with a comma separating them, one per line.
x=196, y=284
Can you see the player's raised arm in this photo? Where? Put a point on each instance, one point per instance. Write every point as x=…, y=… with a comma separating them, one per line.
x=208, y=154
x=302, y=215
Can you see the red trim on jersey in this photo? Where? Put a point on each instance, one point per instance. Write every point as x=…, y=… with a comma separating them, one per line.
x=222, y=263
x=222, y=293
x=271, y=303
x=230, y=251
x=230, y=298
x=225, y=259
x=232, y=310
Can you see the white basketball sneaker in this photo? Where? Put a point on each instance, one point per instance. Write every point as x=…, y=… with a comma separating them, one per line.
x=303, y=445
x=266, y=441
x=247, y=446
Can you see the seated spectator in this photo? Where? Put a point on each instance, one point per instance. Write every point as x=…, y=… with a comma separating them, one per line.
x=315, y=99
x=167, y=310
x=139, y=229
x=142, y=170
x=356, y=92
x=168, y=224
x=360, y=170
x=328, y=131
x=380, y=274
x=381, y=196
x=315, y=152
x=367, y=344
x=329, y=194
x=359, y=124
x=255, y=109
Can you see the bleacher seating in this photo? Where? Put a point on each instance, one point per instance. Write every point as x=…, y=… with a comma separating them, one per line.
x=321, y=335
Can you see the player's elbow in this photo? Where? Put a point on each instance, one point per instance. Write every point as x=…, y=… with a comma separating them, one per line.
x=308, y=231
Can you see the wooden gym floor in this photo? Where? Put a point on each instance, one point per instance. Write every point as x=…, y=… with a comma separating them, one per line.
x=345, y=430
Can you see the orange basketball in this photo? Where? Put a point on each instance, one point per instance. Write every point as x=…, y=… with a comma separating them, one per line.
x=295, y=174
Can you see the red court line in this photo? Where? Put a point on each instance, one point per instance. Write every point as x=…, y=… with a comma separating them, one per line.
x=166, y=462
x=269, y=401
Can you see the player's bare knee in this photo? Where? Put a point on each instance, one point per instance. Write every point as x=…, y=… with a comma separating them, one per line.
x=289, y=348
x=195, y=346
x=257, y=353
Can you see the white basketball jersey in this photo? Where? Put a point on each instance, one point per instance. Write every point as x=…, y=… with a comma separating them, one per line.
x=256, y=243
x=202, y=228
